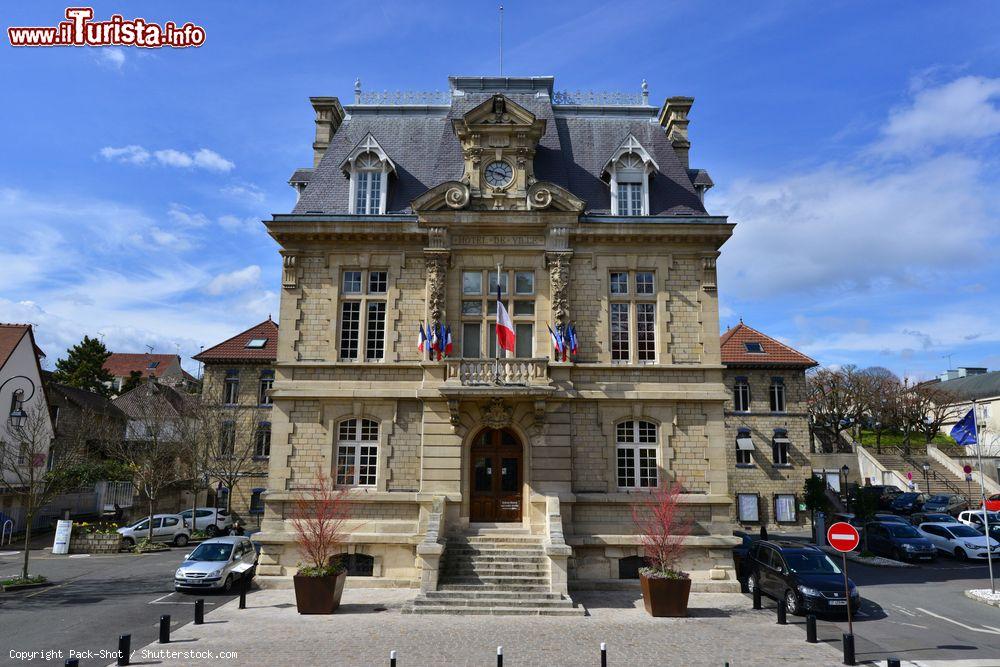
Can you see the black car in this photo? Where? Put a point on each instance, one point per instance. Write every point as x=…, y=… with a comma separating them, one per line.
x=918, y=518
x=899, y=541
x=886, y=494
x=800, y=576
x=908, y=503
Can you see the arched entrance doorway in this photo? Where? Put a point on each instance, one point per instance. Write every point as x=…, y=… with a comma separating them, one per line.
x=497, y=476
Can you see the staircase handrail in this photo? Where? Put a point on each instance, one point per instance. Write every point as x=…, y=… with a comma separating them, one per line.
x=931, y=473
x=865, y=456
x=941, y=457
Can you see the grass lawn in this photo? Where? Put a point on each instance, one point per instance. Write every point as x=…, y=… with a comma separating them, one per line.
x=891, y=439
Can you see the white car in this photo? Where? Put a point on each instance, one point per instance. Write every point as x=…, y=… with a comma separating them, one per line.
x=975, y=518
x=959, y=540
x=209, y=519
x=166, y=528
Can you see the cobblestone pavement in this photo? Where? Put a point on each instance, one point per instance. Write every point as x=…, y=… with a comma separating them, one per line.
x=721, y=628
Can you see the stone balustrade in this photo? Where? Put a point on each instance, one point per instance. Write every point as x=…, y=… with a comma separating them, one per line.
x=474, y=372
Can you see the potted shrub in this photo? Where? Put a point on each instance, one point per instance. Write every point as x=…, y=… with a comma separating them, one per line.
x=665, y=590
x=318, y=520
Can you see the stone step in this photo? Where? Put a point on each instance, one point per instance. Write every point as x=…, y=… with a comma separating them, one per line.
x=512, y=568
x=492, y=602
x=483, y=587
x=496, y=539
x=498, y=559
x=496, y=611
x=493, y=595
x=480, y=574
x=525, y=579
x=481, y=550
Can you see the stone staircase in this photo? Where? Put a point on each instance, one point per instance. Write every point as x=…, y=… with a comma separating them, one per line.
x=940, y=480
x=495, y=570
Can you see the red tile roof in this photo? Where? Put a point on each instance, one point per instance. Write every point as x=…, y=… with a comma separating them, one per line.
x=10, y=336
x=734, y=351
x=235, y=349
x=121, y=364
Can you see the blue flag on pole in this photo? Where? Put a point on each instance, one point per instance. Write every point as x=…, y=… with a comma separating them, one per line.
x=964, y=431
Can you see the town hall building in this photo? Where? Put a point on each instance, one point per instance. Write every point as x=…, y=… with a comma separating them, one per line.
x=585, y=212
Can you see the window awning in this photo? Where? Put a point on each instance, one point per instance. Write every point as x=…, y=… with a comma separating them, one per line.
x=782, y=441
x=745, y=444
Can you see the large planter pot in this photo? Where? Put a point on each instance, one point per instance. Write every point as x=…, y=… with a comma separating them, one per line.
x=665, y=597
x=319, y=595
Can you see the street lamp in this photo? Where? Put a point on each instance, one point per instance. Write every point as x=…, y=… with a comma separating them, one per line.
x=927, y=485
x=18, y=417
x=847, y=498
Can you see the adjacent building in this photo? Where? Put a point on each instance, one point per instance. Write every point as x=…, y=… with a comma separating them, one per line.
x=237, y=380
x=583, y=210
x=767, y=428
x=164, y=368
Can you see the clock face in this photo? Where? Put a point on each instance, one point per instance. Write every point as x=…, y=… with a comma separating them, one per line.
x=499, y=174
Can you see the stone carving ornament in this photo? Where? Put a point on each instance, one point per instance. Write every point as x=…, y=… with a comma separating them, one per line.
x=437, y=267
x=497, y=414
x=457, y=196
x=559, y=280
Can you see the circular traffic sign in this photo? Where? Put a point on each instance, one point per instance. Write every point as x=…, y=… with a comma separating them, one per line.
x=843, y=536
x=967, y=469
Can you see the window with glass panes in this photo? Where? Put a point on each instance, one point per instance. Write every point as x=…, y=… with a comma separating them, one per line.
x=264, y=390
x=632, y=316
x=635, y=444
x=262, y=441
x=368, y=185
x=479, y=311
x=777, y=394
x=741, y=395
x=362, y=314
x=357, y=452
x=231, y=387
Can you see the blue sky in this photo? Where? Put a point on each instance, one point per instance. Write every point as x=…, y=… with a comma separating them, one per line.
x=855, y=144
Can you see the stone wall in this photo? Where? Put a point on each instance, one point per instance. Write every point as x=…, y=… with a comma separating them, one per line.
x=94, y=543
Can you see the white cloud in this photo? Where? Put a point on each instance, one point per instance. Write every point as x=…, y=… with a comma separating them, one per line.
x=244, y=192
x=965, y=109
x=131, y=154
x=186, y=217
x=203, y=158
x=113, y=58
x=234, y=281
x=236, y=224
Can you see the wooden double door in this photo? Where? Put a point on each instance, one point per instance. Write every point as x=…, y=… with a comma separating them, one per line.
x=497, y=477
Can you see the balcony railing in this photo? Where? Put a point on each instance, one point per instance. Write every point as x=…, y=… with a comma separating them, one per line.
x=483, y=372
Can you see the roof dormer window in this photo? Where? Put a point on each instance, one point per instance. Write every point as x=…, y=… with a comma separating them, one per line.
x=368, y=168
x=630, y=168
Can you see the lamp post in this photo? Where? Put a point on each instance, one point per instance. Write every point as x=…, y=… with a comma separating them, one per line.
x=18, y=417
x=927, y=484
x=847, y=497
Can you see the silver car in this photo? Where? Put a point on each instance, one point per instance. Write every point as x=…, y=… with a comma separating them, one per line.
x=217, y=564
x=166, y=528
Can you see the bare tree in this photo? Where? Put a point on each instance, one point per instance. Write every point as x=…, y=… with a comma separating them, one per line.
x=939, y=406
x=235, y=438
x=882, y=389
x=836, y=403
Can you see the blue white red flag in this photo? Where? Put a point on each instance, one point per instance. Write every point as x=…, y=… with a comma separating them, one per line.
x=421, y=339
x=505, y=328
x=556, y=343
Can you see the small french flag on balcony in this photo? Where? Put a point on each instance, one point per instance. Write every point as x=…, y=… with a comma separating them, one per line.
x=421, y=339
x=505, y=328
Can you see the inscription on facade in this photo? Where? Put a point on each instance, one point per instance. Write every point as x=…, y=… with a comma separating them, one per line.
x=497, y=240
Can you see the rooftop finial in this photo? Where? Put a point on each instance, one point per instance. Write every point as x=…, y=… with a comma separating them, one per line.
x=357, y=90
x=645, y=92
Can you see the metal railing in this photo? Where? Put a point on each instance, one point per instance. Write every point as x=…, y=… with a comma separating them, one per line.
x=929, y=474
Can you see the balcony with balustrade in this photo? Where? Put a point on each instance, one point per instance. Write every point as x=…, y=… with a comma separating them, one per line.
x=493, y=377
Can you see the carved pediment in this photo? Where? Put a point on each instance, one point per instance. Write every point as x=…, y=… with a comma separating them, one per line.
x=450, y=194
x=542, y=195
x=496, y=112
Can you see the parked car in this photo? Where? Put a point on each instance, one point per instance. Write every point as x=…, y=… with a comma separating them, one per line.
x=886, y=494
x=899, y=541
x=909, y=502
x=993, y=503
x=918, y=518
x=959, y=540
x=975, y=518
x=166, y=528
x=994, y=530
x=741, y=561
x=946, y=503
x=800, y=576
x=209, y=519
x=217, y=564
x=846, y=518
x=890, y=518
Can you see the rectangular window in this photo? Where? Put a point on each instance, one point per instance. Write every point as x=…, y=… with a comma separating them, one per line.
x=493, y=283
x=227, y=439
x=472, y=282
x=524, y=342
x=346, y=464
x=524, y=282
x=262, y=443
x=231, y=387
x=619, y=282
x=644, y=282
x=378, y=282
x=784, y=508
x=350, y=329
x=741, y=395
x=472, y=308
x=375, y=338
x=645, y=331
x=619, y=332
x=626, y=467
x=352, y=282
x=367, y=464
x=744, y=448
x=629, y=198
x=748, y=510
x=264, y=391
x=777, y=395
x=479, y=313
x=779, y=446
x=257, y=501
x=524, y=308
x=375, y=193
x=361, y=191
x=471, y=344
x=636, y=454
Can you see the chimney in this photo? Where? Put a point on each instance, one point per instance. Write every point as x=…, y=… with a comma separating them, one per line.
x=329, y=115
x=674, y=117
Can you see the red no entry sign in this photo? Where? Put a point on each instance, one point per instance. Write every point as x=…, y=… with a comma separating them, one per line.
x=843, y=536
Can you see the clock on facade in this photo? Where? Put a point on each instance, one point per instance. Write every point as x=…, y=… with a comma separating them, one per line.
x=499, y=174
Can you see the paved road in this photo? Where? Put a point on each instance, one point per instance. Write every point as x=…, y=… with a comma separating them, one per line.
x=920, y=614
x=95, y=599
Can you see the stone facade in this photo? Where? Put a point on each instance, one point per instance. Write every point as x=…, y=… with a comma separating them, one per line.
x=421, y=418
x=95, y=543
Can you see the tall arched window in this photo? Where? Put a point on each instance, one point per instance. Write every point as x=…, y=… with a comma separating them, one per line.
x=368, y=184
x=357, y=452
x=629, y=169
x=635, y=444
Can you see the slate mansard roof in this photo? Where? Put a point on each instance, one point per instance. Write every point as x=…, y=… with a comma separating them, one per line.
x=577, y=143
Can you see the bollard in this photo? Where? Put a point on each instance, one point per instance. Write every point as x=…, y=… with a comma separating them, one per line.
x=604, y=655
x=499, y=656
x=892, y=662
x=243, y=592
x=165, y=629
x=756, y=597
x=811, y=628
x=73, y=662
x=199, y=611
x=782, y=613
x=124, y=649
x=849, y=649
x=392, y=659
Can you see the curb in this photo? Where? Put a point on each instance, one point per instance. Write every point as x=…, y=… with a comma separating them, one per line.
x=971, y=594
x=877, y=561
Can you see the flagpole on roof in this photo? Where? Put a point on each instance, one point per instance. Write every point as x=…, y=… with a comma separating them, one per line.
x=982, y=492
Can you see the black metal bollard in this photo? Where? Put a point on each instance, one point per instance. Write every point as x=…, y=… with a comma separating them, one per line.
x=892, y=662
x=165, y=629
x=849, y=649
x=243, y=592
x=199, y=611
x=124, y=649
x=782, y=613
x=811, y=628
x=756, y=597
x=499, y=656
x=72, y=662
x=392, y=659
x=604, y=655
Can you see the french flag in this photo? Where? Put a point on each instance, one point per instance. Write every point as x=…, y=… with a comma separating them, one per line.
x=505, y=328
x=422, y=339
x=572, y=339
x=556, y=343
x=433, y=339
x=447, y=341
